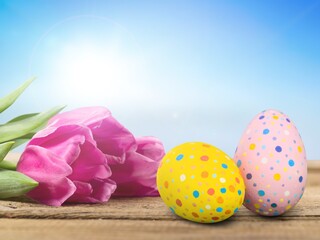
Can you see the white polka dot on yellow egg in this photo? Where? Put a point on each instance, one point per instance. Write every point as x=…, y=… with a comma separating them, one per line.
x=208, y=189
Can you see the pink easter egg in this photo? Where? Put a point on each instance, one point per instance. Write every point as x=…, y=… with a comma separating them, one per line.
x=272, y=161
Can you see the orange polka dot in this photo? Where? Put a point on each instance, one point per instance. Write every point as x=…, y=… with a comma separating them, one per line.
x=228, y=212
x=204, y=174
x=195, y=215
x=220, y=200
x=231, y=188
x=210, y=191
x=178, y=202
x=204, y=158
x=206, y=145
x=237, y=180
x=215, y=218
x=166, y=184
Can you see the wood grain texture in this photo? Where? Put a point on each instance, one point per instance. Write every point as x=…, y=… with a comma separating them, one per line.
x=142, y=229
x=149, y=218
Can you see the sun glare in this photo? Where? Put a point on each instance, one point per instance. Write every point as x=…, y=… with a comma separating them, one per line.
x=89, y=60
x=93, y=72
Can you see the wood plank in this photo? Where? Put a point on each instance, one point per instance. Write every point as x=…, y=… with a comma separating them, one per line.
x=149, y=218
x=142, y=229
x=152, y=208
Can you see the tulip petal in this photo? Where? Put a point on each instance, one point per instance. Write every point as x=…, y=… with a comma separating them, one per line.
x=64, y=141
x=137, y=176
x=90, y=164
x=42, y=165
x=97, y=191
x=150, y=147
x=102, y=189
x=114, y=140
x=53, y=193
x=83, y=190
x=87, y=116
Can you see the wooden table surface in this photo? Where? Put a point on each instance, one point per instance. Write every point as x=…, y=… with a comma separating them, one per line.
x=149, y=218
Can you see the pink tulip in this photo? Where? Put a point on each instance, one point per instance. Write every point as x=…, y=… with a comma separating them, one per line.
x=68, y=166
x=112, y=138
x=71, y=158
x=133, y=162
x=137, y=176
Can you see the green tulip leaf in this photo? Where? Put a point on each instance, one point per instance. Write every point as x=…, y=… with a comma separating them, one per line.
x=21, y=140
x=8, y=100
x=5, y=148
x=19, y=128
x=25, y=138
x=21, y=117
x=14, y=184
x=9, y=165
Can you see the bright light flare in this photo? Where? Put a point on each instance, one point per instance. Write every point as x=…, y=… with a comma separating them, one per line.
x=86, y=71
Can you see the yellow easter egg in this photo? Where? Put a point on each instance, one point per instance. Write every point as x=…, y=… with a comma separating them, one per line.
x=201, y=183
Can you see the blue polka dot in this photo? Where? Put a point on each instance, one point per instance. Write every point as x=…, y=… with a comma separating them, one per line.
x=291, y=163
x=261, y=117
x=219, y=209
x=201, y=210
x=261, y=193
x=288, y=120
x=278, y=149
x=266, y=131
x=263, y=147
x=249, y=176
x=239, y=192
x=223, y=190
x=196, y=194
x=274, y=205
x=224, y=165
x=247, y=200
x=172, y=210
x=300, y=179
x=239, y=163
x=236, y=210
x=179, y=157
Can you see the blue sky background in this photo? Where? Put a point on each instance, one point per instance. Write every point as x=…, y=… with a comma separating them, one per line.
x=178, y=70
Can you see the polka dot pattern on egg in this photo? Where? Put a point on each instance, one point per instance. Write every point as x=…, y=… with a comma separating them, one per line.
x=199, y=182
x=272, y=160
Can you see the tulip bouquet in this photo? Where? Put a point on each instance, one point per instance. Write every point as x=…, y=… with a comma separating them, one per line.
x=83, y=156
